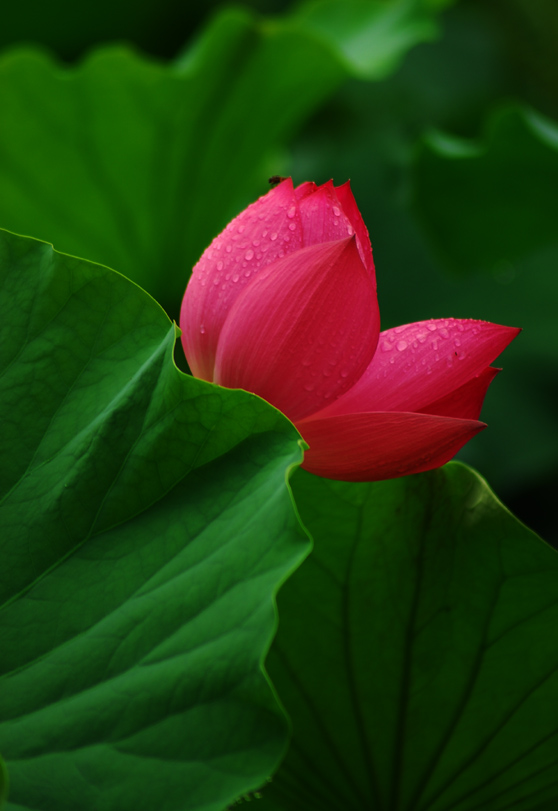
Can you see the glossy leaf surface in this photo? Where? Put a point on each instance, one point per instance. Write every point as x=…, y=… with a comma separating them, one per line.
x=145, y=526
x=416, y=652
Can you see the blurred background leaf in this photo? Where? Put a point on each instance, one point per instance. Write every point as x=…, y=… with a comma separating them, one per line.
x=138, y=165
x=369, y=36
x=487, y=206
x=145, y=524
x=414, y=652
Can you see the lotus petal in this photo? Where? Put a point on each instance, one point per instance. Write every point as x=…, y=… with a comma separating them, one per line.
x=303, y=332
x=422, y=362
x=382, y=445
x=264, y=232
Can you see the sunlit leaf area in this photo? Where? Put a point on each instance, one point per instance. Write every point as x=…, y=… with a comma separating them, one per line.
x=259, y=544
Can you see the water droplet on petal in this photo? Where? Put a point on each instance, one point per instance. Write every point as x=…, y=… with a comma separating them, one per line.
x=336, y=211
x=236, y=277
x=241, y=228
x=228, y=248
x=202, y=329
x=219, y=266
x=292, y=226
x=401, y=345
x=431, y=327
x=248, y=255
x=291, y=212
x=273, y=236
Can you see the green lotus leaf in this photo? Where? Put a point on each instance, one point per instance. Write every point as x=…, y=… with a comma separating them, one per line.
x=145, y=524
x=416, y=652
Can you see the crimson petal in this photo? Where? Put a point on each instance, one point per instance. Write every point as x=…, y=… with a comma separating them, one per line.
x=348, y=203
x=303, y=331
x=265, y=231
x=466, y=401
x=382, y=445
x=422, y=362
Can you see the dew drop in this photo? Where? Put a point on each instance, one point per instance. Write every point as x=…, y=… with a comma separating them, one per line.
x=256, y=243
x=444, y=333
x=219, y=266
x=248, y=255
x=309, y=387
x=202, y=329
x=350, y=230
x=236, y=277
x=291, y=212
x=273, y=236
x=247, y=273
x=386, y=347
x=241, y=229
x=292, y=226
x=431, y=327
x=228, y=248
x=336, y=211
x=401, y=345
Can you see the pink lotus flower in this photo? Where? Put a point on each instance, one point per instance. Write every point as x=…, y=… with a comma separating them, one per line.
x=283, y=304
